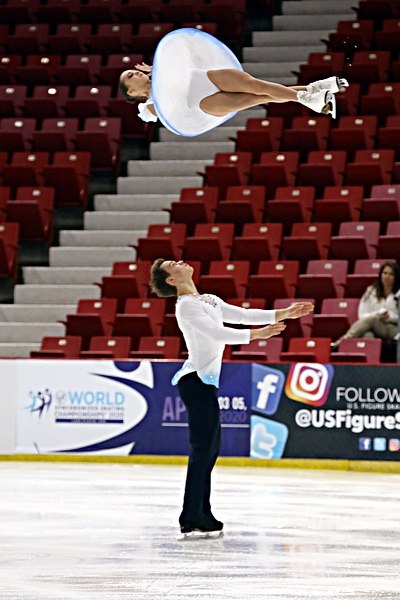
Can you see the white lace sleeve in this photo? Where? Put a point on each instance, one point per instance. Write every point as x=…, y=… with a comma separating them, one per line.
x=145, y=113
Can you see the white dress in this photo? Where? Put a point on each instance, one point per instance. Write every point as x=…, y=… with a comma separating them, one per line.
x=179, y=80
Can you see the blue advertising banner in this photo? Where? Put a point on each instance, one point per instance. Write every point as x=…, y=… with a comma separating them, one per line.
x=310, y=410
x=121, y=408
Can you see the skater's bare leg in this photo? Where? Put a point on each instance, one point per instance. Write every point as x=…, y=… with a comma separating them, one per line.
x=223, y=103
x=233, y=80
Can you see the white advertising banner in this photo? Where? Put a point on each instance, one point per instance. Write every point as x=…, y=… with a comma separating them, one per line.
x=8, y=378
x=80, y=406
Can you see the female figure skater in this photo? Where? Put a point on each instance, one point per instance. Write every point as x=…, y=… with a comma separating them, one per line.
x=197, y=84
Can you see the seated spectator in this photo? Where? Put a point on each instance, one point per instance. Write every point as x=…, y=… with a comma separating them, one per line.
x=378, y=312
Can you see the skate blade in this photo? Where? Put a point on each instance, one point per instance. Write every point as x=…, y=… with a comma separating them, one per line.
x=330, y=106
x=199, y=535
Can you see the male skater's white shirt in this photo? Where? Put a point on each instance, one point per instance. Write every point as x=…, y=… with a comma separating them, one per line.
x=201, y=320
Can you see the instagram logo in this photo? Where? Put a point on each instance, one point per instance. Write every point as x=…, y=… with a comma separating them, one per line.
x=309, y=383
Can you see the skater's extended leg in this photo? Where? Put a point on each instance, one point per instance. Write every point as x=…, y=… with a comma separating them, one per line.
x=223, y=103
x=232, y=80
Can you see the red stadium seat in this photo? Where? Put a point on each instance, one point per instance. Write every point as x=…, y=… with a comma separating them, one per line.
x=164, y=347
x=226, y=279
x=211, y=241
x=339, y=204
x=142, y=317
x=354, y=133
x=367, y=66
x=80, y=69
x=26, y=169
x=16, y=134
x=12, y=99
x=259, y=351
x=276, y=169
x=259, y=241
x=39, y=69
x=196, y=205
x=291, y=205
x=365, y=273
x=9, y=246
x=56, y=134
x=229, y=169
x=389, y=244
x=93, y=317
x=323, y=169
x=337, y=315
x=108, y=347
x=46, y=102
x=306, y=134
x=101, y=137
x=111, y=38
x=243, y=204
x=356, y=239
x=324, y=278
x=33, y=209
x=371, y=167
x=28, y=38
x=68, y=346
x=274, y=279
x=70, y=38
x=162, y=240
x=356, y=350
x=307, y=241
x=308, y=350
x=389, y=136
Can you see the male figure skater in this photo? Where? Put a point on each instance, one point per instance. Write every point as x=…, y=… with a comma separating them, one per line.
x=201, y=319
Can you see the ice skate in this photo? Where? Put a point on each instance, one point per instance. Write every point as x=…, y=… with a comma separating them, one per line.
x=205, y=528
x=322, y=102
x=331, y=84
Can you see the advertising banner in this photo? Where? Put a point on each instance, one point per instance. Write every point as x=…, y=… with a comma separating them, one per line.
x=8, y=378
x=120, y=408
x=310, y=410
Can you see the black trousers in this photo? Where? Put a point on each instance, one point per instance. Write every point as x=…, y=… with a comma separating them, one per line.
x=201, y=402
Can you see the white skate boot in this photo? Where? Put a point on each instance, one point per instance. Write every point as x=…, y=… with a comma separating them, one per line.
x=332, y=84
x=322, y=102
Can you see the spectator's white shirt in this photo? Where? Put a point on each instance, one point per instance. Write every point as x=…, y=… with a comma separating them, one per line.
x=370, y=305
x=201, y=320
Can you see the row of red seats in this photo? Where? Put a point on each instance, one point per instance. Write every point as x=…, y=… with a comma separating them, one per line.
x=170, y=347
x=230, y=15
x=365, y=34
x=145, y=317
x=265, y=280
x=307, y=241
x=246, y=205
x=99, y=136
x=32, y=208
x=307, y=133
x=66, y=172
x=321, y=168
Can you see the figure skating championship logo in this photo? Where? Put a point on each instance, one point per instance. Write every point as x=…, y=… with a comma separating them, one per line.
x=268, y=438
x=84, y=411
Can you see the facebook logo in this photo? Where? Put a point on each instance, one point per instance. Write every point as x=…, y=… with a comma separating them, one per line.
x=268, y=438
x=266, y=389
x=364, y=443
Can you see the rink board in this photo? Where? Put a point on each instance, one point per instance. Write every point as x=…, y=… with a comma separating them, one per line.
x=297, y=410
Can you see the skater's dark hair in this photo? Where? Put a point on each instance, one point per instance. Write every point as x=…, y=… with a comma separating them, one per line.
x=123, y=90
x=158, y=283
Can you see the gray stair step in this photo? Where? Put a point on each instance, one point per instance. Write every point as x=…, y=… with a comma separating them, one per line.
x=219, y=134
x=278, y=72
x=104, y=239
x=290, y=38
x=308, y=22
x=166, y=168
x=316, y=7
x=16, y=350
x=156, y=185
x=24, y=333
x=280, y=53
x=54, y=294
x=133, y=202
x=69, y=275
x=44, y=313
x=89, y=257
x=182, y=150
x=136, y=221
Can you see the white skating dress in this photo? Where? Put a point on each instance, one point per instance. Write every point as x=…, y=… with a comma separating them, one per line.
x=179, y=80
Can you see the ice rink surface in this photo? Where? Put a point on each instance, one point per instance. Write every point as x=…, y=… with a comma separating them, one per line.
x=108, y=532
